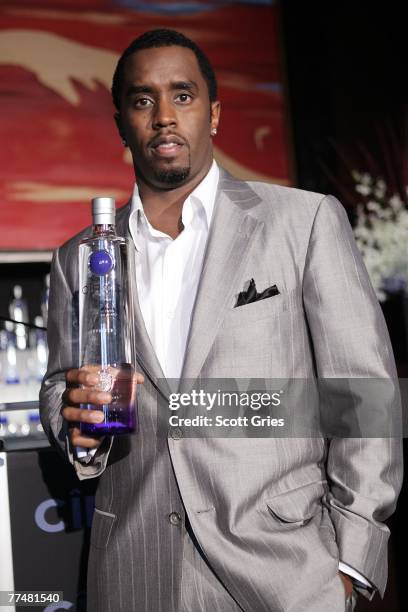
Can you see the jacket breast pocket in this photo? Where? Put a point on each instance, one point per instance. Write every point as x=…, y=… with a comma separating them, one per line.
x=256, y=311
x=296, y=507
x=102, y=526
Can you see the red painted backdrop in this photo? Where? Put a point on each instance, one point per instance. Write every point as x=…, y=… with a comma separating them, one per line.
x=59, y=146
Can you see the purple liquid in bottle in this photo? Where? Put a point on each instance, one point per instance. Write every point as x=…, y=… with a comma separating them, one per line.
x=120, y=414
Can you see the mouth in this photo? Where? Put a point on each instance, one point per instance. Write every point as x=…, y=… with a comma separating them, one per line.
x=167, y=146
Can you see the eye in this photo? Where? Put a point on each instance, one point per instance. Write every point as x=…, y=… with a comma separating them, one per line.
x=184, y=98
x=142, y=103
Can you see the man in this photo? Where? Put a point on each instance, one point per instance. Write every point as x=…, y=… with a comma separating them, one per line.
x=272, y=524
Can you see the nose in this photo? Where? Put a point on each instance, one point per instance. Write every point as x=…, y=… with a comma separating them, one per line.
x=164, y=114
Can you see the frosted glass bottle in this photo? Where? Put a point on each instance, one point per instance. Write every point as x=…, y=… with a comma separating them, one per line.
x=106, y=319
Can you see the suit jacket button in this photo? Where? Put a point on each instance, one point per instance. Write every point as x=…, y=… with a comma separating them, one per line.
x=176, y=433
x=175, y=518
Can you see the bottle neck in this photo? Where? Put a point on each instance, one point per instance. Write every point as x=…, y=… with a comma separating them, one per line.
x=101, y=229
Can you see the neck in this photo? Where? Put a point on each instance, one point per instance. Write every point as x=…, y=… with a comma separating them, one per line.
x=163, y=207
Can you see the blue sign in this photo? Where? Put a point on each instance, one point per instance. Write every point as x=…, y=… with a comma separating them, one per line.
x=100, y=262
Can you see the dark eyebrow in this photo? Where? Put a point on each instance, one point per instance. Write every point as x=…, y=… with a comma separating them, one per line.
x=145, y=89
x=189, y=85
x=137, y=89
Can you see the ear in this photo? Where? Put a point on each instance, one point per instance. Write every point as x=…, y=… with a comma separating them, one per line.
x=215, y=114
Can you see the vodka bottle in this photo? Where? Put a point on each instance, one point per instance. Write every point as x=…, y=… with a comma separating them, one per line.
x=34, y=424
x=38, y=353
x=11, y=375
x=3, y=425
x=3, y=355
x=44, y=299
x=106, y=320
x=19, y=312
x=40, y=349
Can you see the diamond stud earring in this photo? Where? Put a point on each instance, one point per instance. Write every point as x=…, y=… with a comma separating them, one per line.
x=213, y=131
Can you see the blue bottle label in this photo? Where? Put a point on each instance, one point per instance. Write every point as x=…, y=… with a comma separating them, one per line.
x=100, y=262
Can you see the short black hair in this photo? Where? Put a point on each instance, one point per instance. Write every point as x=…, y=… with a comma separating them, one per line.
x=163, y=38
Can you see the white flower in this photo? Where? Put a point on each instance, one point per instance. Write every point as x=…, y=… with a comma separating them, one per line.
x=356, y=176
x=380, y=189
x=366, y=179
x=374, y=206
x=396, y=202
x=365, y=190
x=381, y=234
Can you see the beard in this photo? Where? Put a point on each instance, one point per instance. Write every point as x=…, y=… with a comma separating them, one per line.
x=173, y=177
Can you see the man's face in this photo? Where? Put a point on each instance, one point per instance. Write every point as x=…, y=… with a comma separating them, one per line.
x=166, y=116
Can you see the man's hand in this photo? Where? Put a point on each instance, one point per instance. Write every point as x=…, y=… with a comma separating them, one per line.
x=347, y=583
x=81, y=390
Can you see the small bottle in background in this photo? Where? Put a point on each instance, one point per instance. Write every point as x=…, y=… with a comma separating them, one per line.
x=3, y=355
x=41, y=349
x=24, y=429
x=29, y=390
x=9, y=380
x=11, y=374
x=18, y=311
x=12, y=430
x=35, y=427
x=38, y=353
x=3, y=425
x=44, y=300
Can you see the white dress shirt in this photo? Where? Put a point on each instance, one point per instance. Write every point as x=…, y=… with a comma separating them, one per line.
x=168, y=272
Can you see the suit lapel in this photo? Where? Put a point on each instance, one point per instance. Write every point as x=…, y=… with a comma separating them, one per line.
x=232, y=233
x=146, y=355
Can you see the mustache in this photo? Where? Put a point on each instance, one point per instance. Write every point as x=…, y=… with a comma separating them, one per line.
x=165, y=137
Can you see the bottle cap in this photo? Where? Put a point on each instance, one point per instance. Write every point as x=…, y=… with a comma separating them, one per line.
x=103, y=211
x=17, y=292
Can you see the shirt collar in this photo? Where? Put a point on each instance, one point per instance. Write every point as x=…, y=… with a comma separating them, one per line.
x=206, y=191
x=204, y=194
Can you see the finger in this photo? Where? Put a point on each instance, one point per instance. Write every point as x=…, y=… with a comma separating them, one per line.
x=86, y=396
x=139, y=378
x=87, y=376
x=82, y=415
x=80, y=439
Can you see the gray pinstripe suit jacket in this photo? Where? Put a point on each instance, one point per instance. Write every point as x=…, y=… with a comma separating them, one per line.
x=272, y=516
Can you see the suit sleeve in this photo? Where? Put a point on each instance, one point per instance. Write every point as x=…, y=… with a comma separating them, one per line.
x=350, y=340
x=62, y=337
